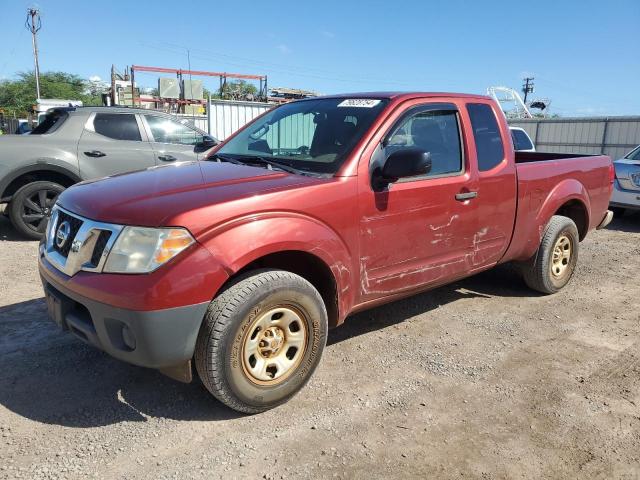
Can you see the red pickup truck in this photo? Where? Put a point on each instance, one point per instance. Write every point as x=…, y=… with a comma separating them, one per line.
x=315, y=210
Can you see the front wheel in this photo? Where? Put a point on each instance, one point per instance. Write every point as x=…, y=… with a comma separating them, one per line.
x=261, y=340
x=30, y=207
x=553, y=265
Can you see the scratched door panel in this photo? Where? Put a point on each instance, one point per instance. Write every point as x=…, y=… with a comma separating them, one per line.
x=416, y=234
x=421, y=230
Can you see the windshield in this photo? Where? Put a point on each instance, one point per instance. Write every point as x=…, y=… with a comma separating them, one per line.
x=634, y=154
x=312, y=135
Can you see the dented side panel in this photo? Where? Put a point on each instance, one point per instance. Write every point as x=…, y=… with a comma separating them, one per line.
x=417, y=233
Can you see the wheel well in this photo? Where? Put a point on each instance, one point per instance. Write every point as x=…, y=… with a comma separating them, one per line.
x=309, y=267
x=35, y=176
x=576, y=211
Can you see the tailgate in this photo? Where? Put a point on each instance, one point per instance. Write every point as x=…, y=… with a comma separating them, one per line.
x=628, y=174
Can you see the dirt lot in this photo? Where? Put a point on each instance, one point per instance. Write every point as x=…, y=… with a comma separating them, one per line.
x=480, y=379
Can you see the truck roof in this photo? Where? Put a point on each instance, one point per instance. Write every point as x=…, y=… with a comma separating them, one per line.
x=401, y=95
x=117, y=109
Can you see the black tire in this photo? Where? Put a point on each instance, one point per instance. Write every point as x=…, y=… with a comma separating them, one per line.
x=539, y=272
x=230, y=323
x=30, y=208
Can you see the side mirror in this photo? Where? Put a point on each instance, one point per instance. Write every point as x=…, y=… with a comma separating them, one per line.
x=403, y=163
x=205, y=144
x=209, y=142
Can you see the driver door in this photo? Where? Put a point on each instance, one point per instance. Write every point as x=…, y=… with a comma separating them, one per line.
x=419, y=231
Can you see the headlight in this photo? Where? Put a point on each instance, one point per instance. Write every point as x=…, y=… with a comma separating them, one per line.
x=142, y=250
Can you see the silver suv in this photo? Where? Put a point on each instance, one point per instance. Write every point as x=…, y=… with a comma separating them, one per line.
x=71, y=145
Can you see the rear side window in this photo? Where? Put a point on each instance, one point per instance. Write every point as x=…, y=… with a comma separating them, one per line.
x=117, y=126
x=489, y=147
x=521, y=140
x=51, y=122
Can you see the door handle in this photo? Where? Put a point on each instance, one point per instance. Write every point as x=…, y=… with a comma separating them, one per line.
x=461, y=197
x=95, y=153
x=167, y=158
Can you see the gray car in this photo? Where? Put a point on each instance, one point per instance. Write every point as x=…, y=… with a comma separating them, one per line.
x=74, y=144
x=626, y=187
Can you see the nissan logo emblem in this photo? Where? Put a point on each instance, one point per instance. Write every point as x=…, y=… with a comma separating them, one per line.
x=62, y=234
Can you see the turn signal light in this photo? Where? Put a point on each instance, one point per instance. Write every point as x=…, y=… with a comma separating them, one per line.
x=176, y=241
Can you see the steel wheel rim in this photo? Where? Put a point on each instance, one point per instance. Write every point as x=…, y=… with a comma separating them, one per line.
x=561, y=256
x=274, y=345
x=36, y=209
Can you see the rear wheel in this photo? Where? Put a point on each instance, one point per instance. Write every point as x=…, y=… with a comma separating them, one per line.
x=30, y=207
x=553, y=265
x=261, y=340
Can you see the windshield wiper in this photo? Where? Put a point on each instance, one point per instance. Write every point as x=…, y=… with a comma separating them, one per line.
x=253, y=159
x=224, y=158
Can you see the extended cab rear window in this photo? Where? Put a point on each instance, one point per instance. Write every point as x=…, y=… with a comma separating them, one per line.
x=489, y=147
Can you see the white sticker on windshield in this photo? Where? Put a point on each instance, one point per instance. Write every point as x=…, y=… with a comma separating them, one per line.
x=359, y=102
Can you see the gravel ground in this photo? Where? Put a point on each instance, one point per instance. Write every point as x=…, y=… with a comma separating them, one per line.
x=481, y=379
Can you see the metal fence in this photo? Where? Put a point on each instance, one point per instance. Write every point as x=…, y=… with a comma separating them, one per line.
x=225, y=117
x=613, y=136
x=228, y=116
x=199, y=121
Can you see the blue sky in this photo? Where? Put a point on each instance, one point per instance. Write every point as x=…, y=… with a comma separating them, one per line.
x=585, y=55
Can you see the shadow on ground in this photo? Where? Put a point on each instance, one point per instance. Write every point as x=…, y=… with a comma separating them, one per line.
x=7, y=232
x=630, y=222
x=51, y=377
x=502, y=281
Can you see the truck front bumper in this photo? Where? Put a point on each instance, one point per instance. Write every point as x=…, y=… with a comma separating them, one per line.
x=163, y=339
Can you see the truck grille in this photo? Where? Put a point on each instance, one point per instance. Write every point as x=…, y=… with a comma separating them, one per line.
x=101, y=243
x=85, y=243
x=75, y=224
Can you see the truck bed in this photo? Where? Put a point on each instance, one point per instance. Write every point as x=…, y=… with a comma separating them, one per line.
x=526, y=157
x=543, y=177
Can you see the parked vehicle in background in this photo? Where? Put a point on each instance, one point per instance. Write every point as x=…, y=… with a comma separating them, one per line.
x=521, y=140
x=244, y=261
x=626, y=188
x=43, y=105
x=73, y=144
x=24, y=127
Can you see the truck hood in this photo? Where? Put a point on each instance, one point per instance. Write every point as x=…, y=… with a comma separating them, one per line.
x=163, y=196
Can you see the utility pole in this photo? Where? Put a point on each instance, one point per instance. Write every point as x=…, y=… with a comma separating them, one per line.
x=34, y=24
x=527, y=87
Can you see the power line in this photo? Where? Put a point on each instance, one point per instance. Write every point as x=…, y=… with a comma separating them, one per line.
x=298, y=71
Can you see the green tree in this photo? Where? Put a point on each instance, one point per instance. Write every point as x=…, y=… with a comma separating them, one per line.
x=238, y=90
x=19, y=95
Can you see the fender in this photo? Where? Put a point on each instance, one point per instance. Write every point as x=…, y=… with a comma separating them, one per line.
x=565, y=191
x=36, y=167
x=237, y=243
